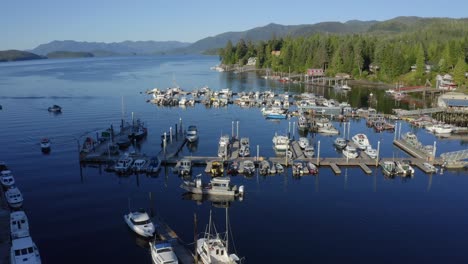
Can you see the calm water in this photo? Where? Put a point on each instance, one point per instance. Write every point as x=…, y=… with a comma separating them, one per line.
x=76, y=215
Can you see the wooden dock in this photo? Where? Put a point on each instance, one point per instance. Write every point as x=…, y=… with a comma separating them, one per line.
x=365, y=168
x=411, y=150
x=335, y=168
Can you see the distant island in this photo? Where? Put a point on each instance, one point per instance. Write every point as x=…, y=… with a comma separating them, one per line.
x=69, y=54
x=18, y=55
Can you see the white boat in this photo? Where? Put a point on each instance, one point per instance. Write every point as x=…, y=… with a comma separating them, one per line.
x=302, y=123
x=264, y=167
x=223, y=146
x=140, y=223
x=212, y=248
x=389, y=168
x=244, y=150
x=312, y=168
x=309, y=151
x=303, y=142
x=124, y=163
x=350, y=152
x=184, y=167
x=248, y=167
x=404, y=167
x=220, y=186
x=411, y=139
x=361, y=141
x=14, y=197
x=45, y=145
x=24, y=250
x=442, y=129
x=429, y=167
x=192, y=133
x=297, y=168
x=183, y=101
x=19, y=225
x=7, y=179
x=280, y=143
x=346, y=87
x=340, y=143
x=162, y=253
x=372, y=153
x=139, y=165
x=328, y=128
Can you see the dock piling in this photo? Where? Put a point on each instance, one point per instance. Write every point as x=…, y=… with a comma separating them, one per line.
x=232, y=129
x=237, y=132
x=170, y=134
x=349, y=125
x=318, y=153
x=378, y=154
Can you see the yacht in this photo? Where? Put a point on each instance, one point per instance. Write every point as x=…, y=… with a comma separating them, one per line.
x=350, y=152
x=7, y=179
x=220, y=186
x=372, y=153
x=140, y=222
x=124, y=163
x=340, y=143
x=303, y=142
x=14, y=197
x=361, y=141
x=192, y=134
x=280, y=143
x=24, y=250
x=19, y=225
x=162, y=253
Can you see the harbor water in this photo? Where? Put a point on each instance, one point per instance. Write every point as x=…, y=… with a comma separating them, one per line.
x=76, y=212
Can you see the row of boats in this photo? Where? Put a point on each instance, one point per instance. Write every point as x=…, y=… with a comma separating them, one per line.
x=23, y=249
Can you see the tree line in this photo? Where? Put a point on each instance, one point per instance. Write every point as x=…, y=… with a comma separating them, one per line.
x=443, y=46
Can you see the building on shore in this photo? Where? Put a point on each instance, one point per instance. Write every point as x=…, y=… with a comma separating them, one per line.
x=453, y=100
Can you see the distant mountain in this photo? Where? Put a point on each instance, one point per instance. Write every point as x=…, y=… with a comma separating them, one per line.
x=69, y=54
x=17, y=55
x=120, y=48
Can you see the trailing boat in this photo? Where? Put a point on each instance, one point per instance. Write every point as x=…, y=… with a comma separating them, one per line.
x=350, y=152
x=7, y=179
x=220, y=186
x=340, y=143
x=361, y=141
x=19, y=224
x=24, y=250
x=162, y=253
x=14, y=197
x=192, y=133
x=45, y=145
x=140, y=222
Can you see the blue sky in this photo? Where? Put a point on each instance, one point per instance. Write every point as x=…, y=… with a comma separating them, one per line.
x=24, y=24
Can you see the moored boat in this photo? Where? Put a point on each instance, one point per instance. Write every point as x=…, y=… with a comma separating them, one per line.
x=124, y=163
x=312, y=168
x=19, y=224
x=429, y=167
x=389, y=168
x=24, y=250
x=372, y=153
x=280, y=143
x=14, y=197
x=162, y=253
x=192, y=133
x=340, y=143
x=264, y=167
x=154, y=165
x=350, y=152
x=217, y=168
x=7, y=179
x=248, y=167
x=404, y=167
x=140, y=222
x=220, y=186
x=303, y=142
x=361, y=141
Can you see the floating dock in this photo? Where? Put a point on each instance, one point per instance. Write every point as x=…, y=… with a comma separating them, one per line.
x=167, y=234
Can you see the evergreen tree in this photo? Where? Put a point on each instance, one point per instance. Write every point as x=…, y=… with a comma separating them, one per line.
x=420, y=62
x=459, y=71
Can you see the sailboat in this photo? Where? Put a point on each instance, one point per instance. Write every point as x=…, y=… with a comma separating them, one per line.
x=212, y=248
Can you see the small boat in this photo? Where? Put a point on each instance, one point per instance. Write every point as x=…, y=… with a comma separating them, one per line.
x=350, y=152
x=276, y=116
x=328, y=129
x=7, y=179
x=361, y=141
x=442, y=129
x=217, y=168
x=139, y=165
x=340, y=143
x=88, y=145
x=312, y=168
x=55, y=109
x=272, y=169
x=162, y=253
x=303, y=142
x=372, y=153
x=309, y=152
x=24, y=250
x=19, y=225
x=45, y=145
x=140, y=222
x=223, y=146
x=183, y=167
x=233, y=168
x=429, y=167
x=280, y=143
x=302, y=124
x=404, y=167
x=244, y=151
x=154, y=165
x=192, y=134
x=297, y=168
x=389, y=168
x=217, y=186
x=138, y=131
x=14, y=197
x=264, y=167
x=124, y=163
x=279, y=168
x=248, y=167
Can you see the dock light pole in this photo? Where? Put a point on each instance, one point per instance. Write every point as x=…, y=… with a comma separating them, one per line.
x=378, y=154
x=349, y=125
x=164, y=144
x=294, y=129
x=434, y=152
x=258, y=152
x=318, y=153
x=232, y=129
x=344, y=130
x=289, y=130
x=396, y=129
x=180, y=124
x=170, y=134
x=399, y=131
x=237, y=133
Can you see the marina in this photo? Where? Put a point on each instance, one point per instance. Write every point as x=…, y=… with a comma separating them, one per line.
x=77, y=179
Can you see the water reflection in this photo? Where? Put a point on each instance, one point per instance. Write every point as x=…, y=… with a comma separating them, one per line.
x=216, y=201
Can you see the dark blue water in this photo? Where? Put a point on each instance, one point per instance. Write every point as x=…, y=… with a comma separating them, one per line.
x=76, y=214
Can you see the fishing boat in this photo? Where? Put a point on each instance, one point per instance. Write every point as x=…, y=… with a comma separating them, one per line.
x=404, y=167
x=162, y=253
x=312, y=168
x=361, y=141
x=124, y=163
x=24, y=250
x=213, y=248
x=264, y=167
x=192, y=134
x=220, y=186
x=154, y=165
x=280, y=143
x=303, y=142
x=45, y=145
x=14, y=197
x=372, y=153
x=217, y=168
x=7, y=179
x=340, y=143
x=19, y=224
x=429, y=167
x=309, y=151
x=350, y=152
x=55, y=109
x=248, y=167
x=140, y=222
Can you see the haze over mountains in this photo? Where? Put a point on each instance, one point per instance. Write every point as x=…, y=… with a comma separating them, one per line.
x=211, y=44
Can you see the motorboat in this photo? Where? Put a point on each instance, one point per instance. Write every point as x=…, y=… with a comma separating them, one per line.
x=24, y=250
x=138, y=131
x=404, y=167
x=389, y=168
x=162, y=253
x=217, y=186
x=340, y=143
x=312, y=168
x=328, y=129
x=303, y=142
x=183, y=101
x=248, y=167
x=154, y=165
x=184, y=167
x=411, y=139
x=14, y=197
x=192, y=133
x=19, y=224
x=372, y=153
x=309, y=151
x=213, y=247
x=280, y=143
x=442, y=129
x=279, y=168
x=429, y=167
x=361, y=141
x=272, y=169
x=264, y=167
x=276, y=116
x=139, y=165
x=55, y=109
x=297, y=168
x=302, y=123
x=217, y=168
x=7, y=179
x=124, y=163
x=140, y=222
x=244, y=151
x=350, y=152
x=223, y=146
x=233, y=168
x=45, y=145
